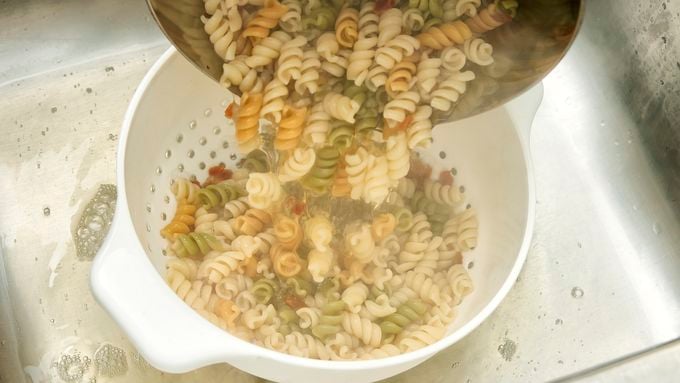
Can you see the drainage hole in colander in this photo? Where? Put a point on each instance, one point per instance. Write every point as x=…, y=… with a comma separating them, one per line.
x=201, y=165
x=148, y=207
x=232, y=157
x=166, y=199
x=462, y=189
x=202, y=141
x=207, y=112
x=217, y=130
x=225, y=144
x=442, y=155
x=471, y=265
x=191, y=153
x=180, y=167
x=164, y=252
x=192, y=178
x=213, y=154
x=148, y=228
x=159, y=171
x=179, y=138
x=153, y=188
x=468, y=206
x=454, y=171
x=192, y=124
x=168, y=153
x=163, y=216
x=148, y=246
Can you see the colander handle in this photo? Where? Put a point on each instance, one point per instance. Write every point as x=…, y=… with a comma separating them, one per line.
x=522, y=111
x=165, y=331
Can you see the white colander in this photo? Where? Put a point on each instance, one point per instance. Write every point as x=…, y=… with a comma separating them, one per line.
x=175, y=127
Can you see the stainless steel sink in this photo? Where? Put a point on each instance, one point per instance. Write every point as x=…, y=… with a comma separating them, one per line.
x=602, y=280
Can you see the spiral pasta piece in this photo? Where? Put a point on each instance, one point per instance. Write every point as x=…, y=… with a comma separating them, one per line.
x=412, y=20
x=229, y=287
x=316, y=126
x=383, y=225
x=221, y=34
x=182, y=222
x=288, y=232
x=357, y=166
x=423, y=336
x=394, y=50
x=396, y=110
x=398, y=157
x=251, y=222
x=419, y=132
x=449, y=91
x=442, y=194
x=247, y=124
x=204, y=220
x=320, y=177
x=368, y=332
x=286, y=262
x=341, y=186
x=453, y=59
x=478, y=51
x=346, y=26
x=238, y=73
x=460, y=283
x=290, y=129
x=331, y=319
x=359, y=242
x=263, y=290
x=184, y=189
x=445, y=35
x=389, y=26
x=401, y=78
x=467, y=7
x=376, y=187
x=426, y=289
x=340, y=107
x=354, y=296
x=308, y=83
x=264, y=20
x=219, y=194
x=488, y=19
x=460, y=232
x=264, y=190
x=273, y=100
x=409, y=312
x=299, y=162
x=290, y=60
x=215, y=268
x=291, y=21
x=195, y=244
x=428, y=73
x=267, y=50
x=236, y=207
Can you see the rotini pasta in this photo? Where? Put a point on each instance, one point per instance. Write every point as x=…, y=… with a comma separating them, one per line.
x=478, y=51
x=299, y=162
x=264, y=190
x=290, y=129
x=346, y=26
x=247, y=125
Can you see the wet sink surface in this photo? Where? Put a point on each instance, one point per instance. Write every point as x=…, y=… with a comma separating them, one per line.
x=601, y=280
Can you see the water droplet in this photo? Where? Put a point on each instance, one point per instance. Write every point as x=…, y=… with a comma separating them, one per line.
x=46, y=211
x=656, y=228
x=201, y=165
x=52, y=320
x=179, y=138
x=202, y=141
x=207, y=112
x=72, y=367
x=577, y=292
x=603, y=124
x=192, y=124
x=180, y=167
x=94, y=222
x=159, y=171
x=213, y=154
x=507, y=349
x=168, y=153
x=225, y=144
x=217, y=130
x=110, y=360
x=191, y=153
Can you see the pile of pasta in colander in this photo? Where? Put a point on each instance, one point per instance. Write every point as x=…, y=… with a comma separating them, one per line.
x=346, y=246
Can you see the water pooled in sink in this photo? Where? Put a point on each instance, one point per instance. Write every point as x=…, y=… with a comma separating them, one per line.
x=110, y=360
x=94, y=222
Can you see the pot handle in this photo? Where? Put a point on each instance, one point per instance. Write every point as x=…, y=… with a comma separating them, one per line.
x=167, y=333
x=522, y=111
